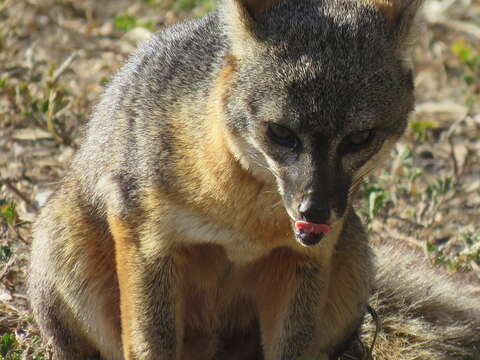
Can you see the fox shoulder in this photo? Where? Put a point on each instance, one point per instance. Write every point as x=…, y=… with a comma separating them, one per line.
x=131, y=133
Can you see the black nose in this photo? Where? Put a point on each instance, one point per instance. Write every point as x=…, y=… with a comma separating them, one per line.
x=314, y=211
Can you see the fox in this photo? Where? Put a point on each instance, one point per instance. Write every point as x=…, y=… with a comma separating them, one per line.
x=208, y=211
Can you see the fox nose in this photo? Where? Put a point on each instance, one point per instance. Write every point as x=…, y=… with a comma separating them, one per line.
x=314, y=212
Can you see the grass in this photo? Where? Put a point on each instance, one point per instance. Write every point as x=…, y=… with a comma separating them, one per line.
x=126, y=22
x=55, y=58
x=190, y=5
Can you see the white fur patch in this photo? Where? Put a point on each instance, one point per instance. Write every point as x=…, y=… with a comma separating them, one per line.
x=196, y=229
x=245, y=153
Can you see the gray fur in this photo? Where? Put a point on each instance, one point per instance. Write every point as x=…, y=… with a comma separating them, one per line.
x=132, y=118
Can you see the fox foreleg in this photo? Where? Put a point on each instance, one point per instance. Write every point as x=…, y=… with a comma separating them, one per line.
x=289, y=322
x=149, y=306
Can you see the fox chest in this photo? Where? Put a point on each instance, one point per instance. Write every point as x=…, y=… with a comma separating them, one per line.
x=215, y=289
x=242, y=245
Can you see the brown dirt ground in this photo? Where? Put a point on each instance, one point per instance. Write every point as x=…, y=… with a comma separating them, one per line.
x=61, y=52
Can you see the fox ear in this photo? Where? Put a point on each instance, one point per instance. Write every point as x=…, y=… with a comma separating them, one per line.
x=258, y=7
x=397, y=11
x=400, y=14
x=241, y=19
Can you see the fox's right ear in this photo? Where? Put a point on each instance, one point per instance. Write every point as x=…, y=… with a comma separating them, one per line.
x=257, y=8
x=241, y=19
x=402, y=16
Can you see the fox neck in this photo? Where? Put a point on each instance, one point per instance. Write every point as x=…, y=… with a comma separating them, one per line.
x=213, y=181
x=244, y=173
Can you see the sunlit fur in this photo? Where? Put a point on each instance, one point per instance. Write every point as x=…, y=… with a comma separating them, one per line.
x=172, y=235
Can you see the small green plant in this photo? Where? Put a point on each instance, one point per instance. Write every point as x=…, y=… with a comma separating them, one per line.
x=470, y=59
x=126, y=22
x=7, y=212
x=405, y=182
x=420, y=129
x=375, y=198
x=471, y=238
x=189, y=5
x=3, y=81
x=8, y=345
x=440, y=258
x=44, y=107
x=439, y=188
x=151, y=2
x=5, y=253
x=472, y=246
x=459, y=260
x=404, y=177
x=11, y=349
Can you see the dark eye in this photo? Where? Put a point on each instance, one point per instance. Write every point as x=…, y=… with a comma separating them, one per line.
x=282, y=135
x=358, y=140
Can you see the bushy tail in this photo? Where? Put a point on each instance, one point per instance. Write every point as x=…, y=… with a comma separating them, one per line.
x=423, y=313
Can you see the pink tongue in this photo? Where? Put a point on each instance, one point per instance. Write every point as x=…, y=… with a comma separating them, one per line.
x=309, y=227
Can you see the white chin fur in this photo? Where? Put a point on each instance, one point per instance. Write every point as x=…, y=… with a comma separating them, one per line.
x=250, y=159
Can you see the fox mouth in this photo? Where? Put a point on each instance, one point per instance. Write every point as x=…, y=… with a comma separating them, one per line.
x=309, y=234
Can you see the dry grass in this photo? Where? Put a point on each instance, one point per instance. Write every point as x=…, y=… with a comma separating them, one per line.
x=56, y=55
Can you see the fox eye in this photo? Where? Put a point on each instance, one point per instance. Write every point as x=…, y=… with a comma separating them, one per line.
x=361, y=137
x=358, y=140
x=282, y=135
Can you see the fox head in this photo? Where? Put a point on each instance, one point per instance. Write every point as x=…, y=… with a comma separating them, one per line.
x=319, y=91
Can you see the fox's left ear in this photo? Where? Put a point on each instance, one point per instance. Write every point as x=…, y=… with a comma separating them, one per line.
x=257, y=8
x=402, y=16
x=242, y=19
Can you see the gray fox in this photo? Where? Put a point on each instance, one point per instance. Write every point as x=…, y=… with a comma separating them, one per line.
x=208, y=213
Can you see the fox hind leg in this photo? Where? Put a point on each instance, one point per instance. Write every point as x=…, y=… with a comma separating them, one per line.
x=52, y=318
